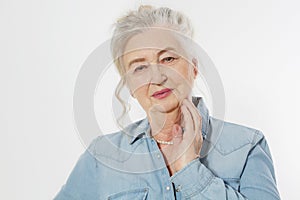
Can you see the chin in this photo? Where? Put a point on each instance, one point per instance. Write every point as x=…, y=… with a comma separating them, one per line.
x=167, y=104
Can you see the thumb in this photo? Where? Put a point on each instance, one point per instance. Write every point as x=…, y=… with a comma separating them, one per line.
x=177, y=131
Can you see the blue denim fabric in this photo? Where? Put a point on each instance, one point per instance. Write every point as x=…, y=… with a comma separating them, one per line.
x=235, y=163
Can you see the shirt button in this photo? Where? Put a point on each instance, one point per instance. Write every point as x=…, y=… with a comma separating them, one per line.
x=168, y=188
x=158, y=155
x=178, y=188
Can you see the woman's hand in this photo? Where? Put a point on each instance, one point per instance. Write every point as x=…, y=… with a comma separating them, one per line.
x=186, y=144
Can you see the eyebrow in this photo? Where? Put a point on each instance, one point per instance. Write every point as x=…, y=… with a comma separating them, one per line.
x=143, y=59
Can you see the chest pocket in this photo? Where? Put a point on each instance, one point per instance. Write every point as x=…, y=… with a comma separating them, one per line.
x=135, y=194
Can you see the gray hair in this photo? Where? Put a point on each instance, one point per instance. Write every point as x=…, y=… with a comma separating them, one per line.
x=145, y=17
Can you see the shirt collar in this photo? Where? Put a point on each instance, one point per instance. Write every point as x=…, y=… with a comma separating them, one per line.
x=141, y=128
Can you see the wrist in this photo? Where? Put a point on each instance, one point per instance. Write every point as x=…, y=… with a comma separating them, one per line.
x=183, y=162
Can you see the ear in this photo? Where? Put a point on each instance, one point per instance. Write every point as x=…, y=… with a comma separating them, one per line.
x=195, y=65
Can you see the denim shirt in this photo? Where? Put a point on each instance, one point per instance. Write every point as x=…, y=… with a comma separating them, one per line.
x=235, y=163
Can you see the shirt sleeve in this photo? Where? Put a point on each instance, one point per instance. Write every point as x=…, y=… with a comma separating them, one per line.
x=257, y=181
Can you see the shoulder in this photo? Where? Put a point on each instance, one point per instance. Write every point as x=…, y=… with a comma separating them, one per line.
x=108, y=143
x=126, y=132
x=229, y=137
x=116, y=146
x=227, y=147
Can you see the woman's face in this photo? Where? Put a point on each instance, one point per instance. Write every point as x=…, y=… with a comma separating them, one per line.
x=158, y=73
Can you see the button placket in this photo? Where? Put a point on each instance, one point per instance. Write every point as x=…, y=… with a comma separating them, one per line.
x=158, y=156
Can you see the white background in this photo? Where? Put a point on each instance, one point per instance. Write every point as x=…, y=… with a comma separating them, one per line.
x=254, y=45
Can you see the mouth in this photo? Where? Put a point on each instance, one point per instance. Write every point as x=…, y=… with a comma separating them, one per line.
x=162, y=93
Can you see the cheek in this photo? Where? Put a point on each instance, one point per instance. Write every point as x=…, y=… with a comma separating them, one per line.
x=183, y=75
x=138, y=84
x=141, y=94
x=183, y=80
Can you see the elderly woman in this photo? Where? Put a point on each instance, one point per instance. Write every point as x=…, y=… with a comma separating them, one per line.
x=178, y=151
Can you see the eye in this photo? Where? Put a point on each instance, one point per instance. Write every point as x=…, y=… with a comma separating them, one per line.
x=168, y=59
x=140, y=68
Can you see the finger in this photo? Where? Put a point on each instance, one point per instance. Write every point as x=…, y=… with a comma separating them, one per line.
x=194, y=111
x=177, y=133
x=188, y=123
x=197, y=119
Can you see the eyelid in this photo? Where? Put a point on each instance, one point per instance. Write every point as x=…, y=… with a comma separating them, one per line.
x=136, y=68
x=168, y=54
x=137, y=64
x=163, y=59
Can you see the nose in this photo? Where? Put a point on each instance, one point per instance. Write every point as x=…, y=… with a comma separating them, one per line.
x=157, y=75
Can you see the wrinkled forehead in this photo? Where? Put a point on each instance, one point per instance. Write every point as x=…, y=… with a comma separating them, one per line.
x=156, y=39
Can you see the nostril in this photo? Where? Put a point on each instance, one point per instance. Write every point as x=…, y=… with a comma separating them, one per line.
x=165, y=78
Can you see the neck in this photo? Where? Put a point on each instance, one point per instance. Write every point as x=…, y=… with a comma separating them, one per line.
x=162, y=124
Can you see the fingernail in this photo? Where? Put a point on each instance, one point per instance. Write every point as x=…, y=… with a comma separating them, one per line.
x=174, y=129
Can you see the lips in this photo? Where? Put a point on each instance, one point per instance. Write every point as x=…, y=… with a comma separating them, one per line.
x=162, y=93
